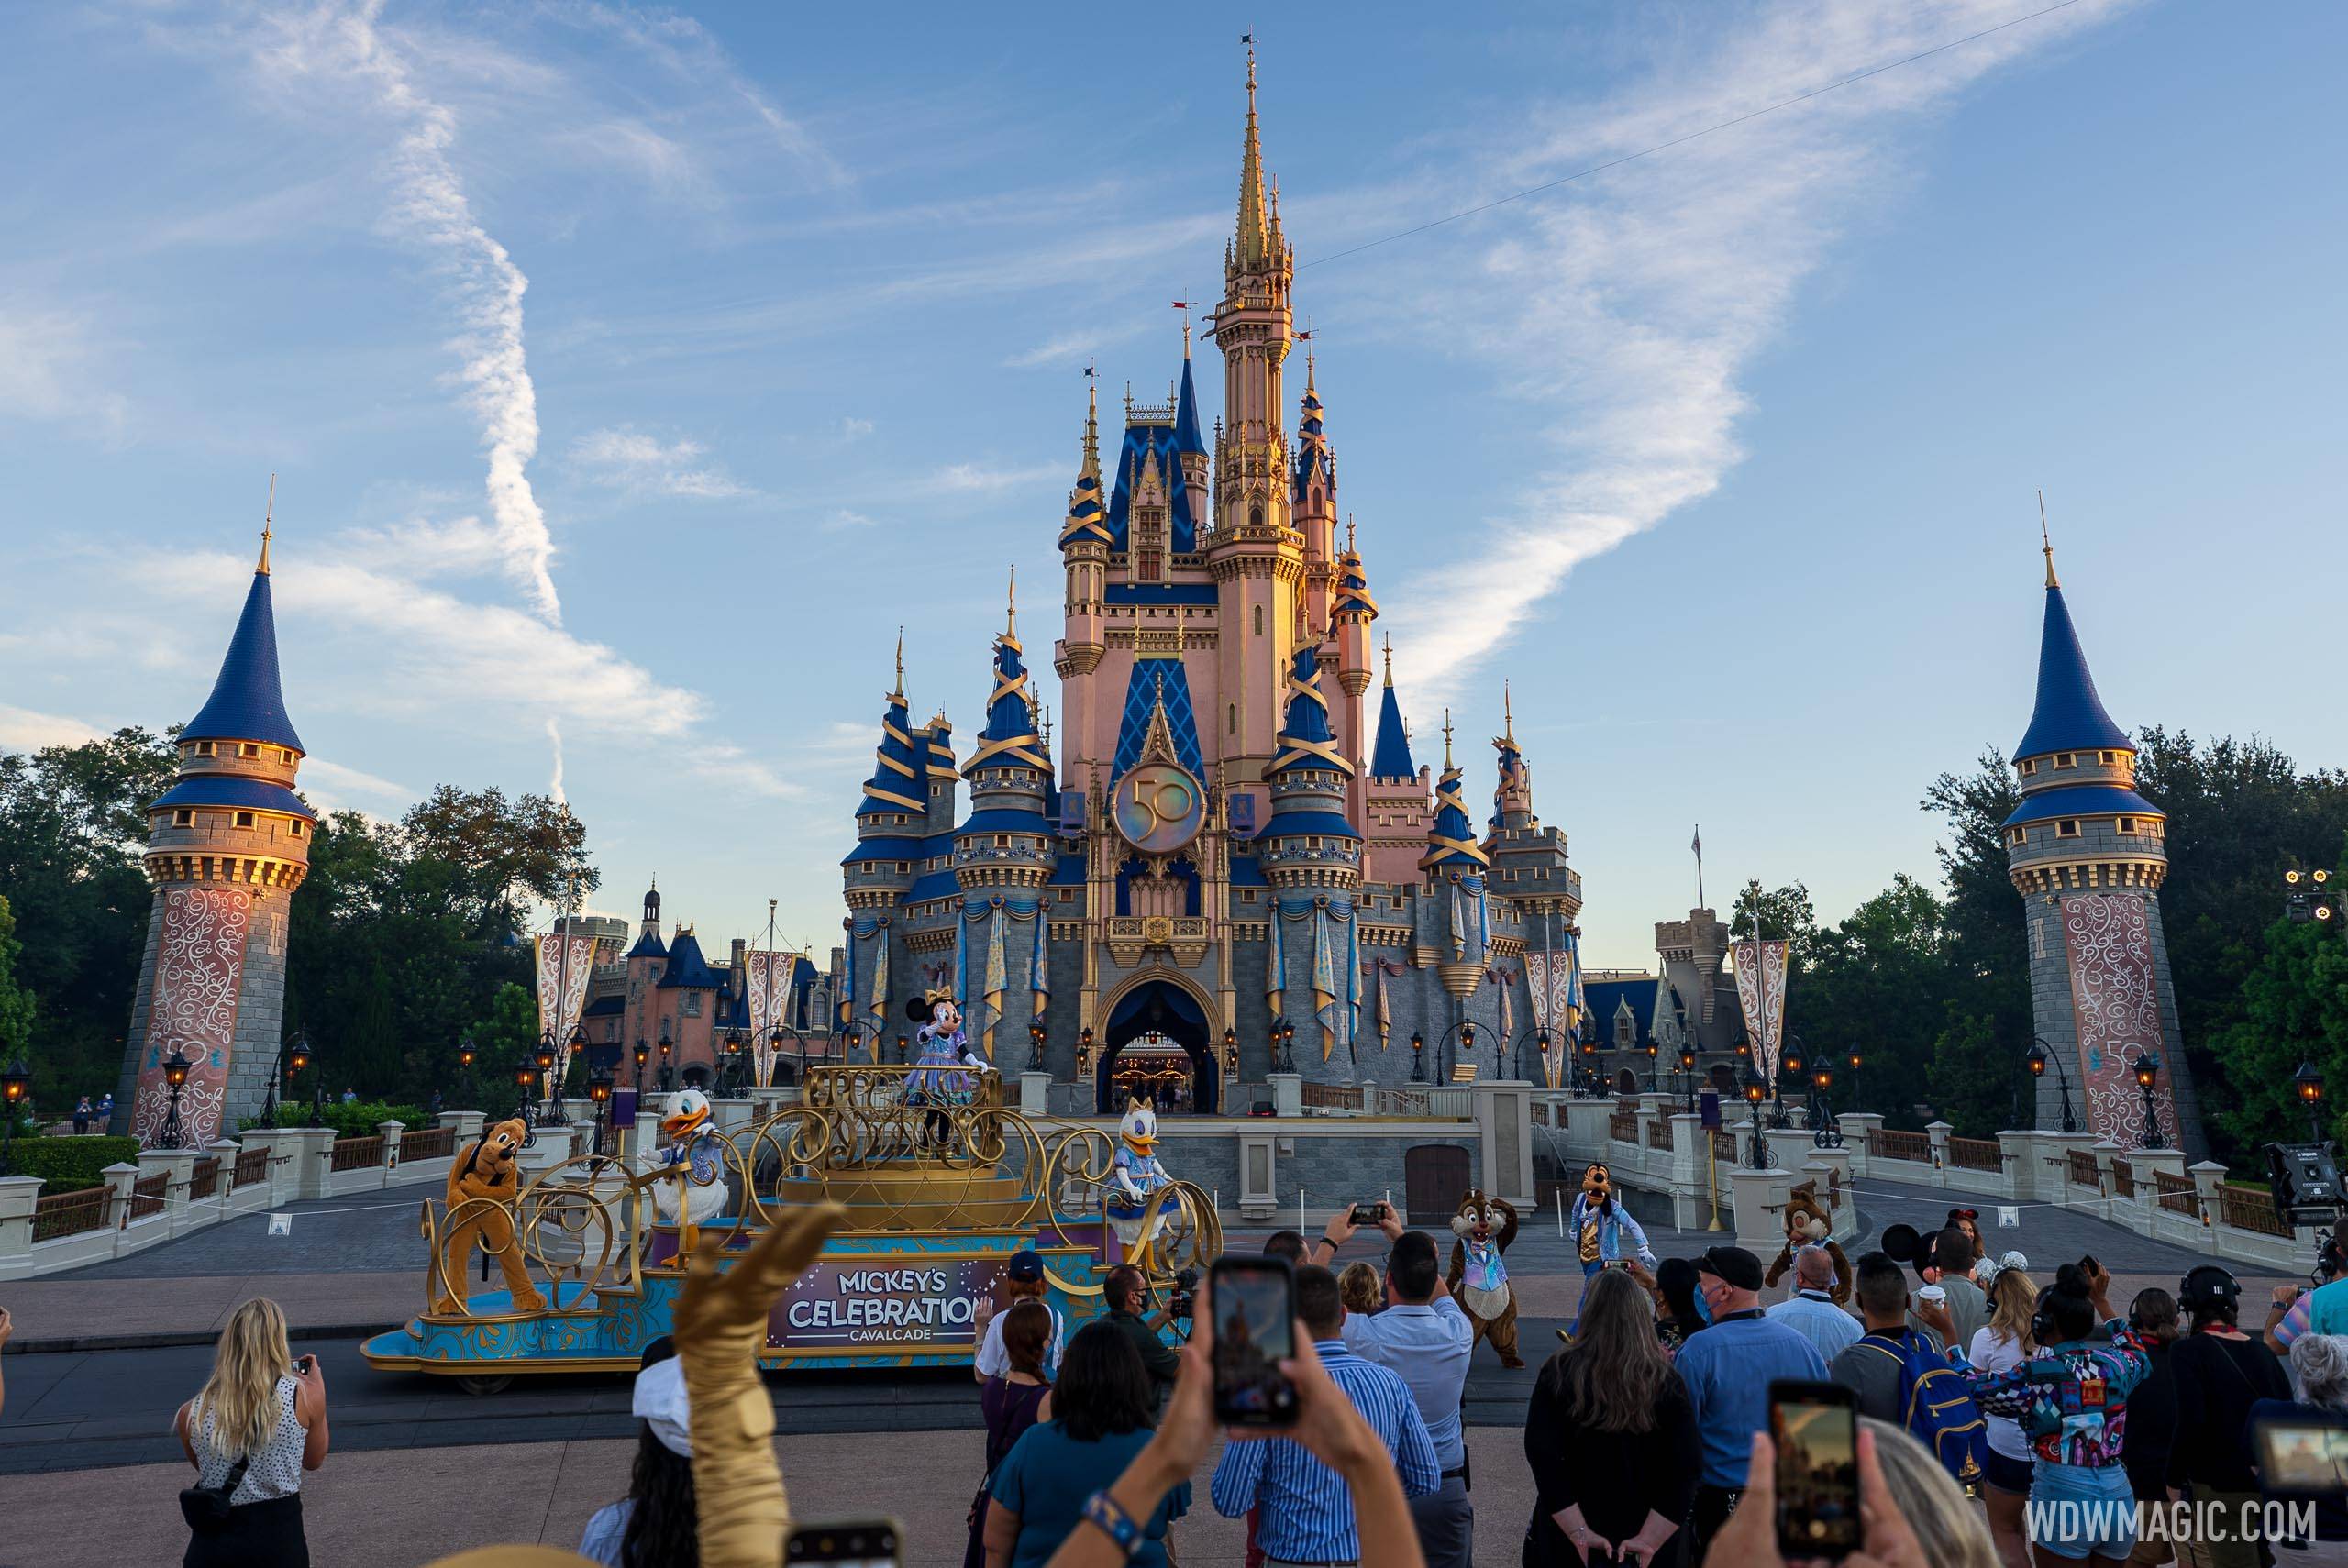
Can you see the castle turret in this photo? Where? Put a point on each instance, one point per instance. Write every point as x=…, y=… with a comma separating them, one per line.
x=1394, y=794
x=1538, y=891
x=1312, y=501
x=2088, y=854
x=937, y=740
x=1311, y=855
x=1003, y=853
x=1453, y=866
x=648, y=944
x=227, y=845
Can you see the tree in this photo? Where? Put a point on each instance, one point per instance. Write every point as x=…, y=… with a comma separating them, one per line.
x=1876, y=984
x=16, y=1002
x=1786, y=915
x=508, y=1031
x=499, y=851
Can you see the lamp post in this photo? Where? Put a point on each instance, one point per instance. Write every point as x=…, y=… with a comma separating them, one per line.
x=1083, y=1055
x=1824, y=1132
x=526, y=1080
x=2147, y=1069
x=544, y=1063
x=775, y=1042
x=1587, y=1069
x=1653, y=1083
x=1688, y=1074
x=904, y=1051
x=269, y=1100
x=1854, y=1061
x=642, y=1052
x=14, y=1084
x=1284, y=1033
x=174, y=1135
x=668, y=1074
x=1231, y=1054
x=599, y=1095
x=1542, y=1040
x=1418, y=1056
x=730, y=1072
x=2036, y=1059
x=1753, y=1090
x=300, y=1056
x=465, y=1054
x=2307, y=1086
x=574, y=1050
x=1789, y=1066
x=1036, y=1046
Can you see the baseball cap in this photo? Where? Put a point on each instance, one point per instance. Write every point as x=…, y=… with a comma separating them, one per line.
x=1734, y=1265
x=1026, y=1266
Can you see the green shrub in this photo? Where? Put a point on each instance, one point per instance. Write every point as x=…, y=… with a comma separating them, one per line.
x=357, y=1120
x=69, y=1165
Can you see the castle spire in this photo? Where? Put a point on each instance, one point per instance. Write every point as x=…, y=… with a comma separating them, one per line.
x=1447, y=740
x=1255, y=234
x=1508, y=716
x=1010, y=607
x=898, y=690
x=1389, y=661
x=269, y=513
x=248, y=700
x=2045, y=542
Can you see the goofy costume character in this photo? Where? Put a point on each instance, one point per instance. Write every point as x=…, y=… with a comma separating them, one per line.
x=1603, y=1232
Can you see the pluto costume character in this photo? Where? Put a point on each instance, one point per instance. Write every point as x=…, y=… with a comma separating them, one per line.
x=694, y=1160
x=1603, y=1232
x=1134, y=1179
x=1485, y=1227
x=483, y=1189
x=1808, y=1225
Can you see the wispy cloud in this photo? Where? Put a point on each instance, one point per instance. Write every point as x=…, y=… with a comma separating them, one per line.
x=341, y=46
x=48, y=371
x=21, y=729
x=628, y=459
x=844, y=518
x=982, y=479
x=1068, y=350
x=1633, y=304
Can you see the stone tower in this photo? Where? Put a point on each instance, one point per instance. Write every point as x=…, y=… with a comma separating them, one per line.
x=2087, y=853
x=226, y=846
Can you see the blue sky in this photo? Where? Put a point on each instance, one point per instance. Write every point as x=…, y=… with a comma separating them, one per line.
x=631, y=374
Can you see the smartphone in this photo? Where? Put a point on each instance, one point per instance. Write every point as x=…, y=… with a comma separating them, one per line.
x=845, y=1543
x=2304, y=1457
x=1255, y=1330
x=1367, y=1214
x=302, y=1363
x=1816, y=1429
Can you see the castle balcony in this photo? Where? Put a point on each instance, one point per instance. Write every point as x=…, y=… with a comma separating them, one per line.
x=1188, y=937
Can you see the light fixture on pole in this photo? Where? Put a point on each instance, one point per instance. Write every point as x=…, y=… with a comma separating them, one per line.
x=15, y=1084
x=599, y=1095
x=643, y=1053
x=2306, y=1088
x=2147, y=1070
x=1036, y=1046
x=2037, y=1059
x=1418, y=1057
x=175, y=1069
x=1231, y=1054
x=1754, y=1091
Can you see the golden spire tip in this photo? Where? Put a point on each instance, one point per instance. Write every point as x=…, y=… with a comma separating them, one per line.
x=2047, y=542
x=268, y=518
x=1446, y=737
x=1011, y=606
x=1389, y=658
x=900, y=693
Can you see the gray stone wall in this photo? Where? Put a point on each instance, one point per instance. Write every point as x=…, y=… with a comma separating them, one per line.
x=2055, y=1022
x=134, y=1048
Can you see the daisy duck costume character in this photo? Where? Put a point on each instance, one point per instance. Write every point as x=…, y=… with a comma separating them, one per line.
x=1603, y=1232
x=1135, y=1177
x=694, y=1160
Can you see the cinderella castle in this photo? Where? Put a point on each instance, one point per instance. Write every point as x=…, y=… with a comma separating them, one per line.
x=1228, y=868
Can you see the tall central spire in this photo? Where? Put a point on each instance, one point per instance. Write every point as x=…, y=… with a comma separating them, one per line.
x=1255, y=233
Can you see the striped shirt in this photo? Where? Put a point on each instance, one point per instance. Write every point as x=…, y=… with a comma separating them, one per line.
x=1307, y=1509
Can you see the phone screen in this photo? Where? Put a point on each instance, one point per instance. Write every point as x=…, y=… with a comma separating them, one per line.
x=1816, y=1429
x=1367, y=1214
x=1254, y=1314
x=847, y=1543
x=2306, y=1457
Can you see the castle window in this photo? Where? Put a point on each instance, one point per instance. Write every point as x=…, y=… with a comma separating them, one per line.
x=1230, y=718
x=205, y=748
x=285, y=756
x=2018, y=837
x=244, y=819
x=2128, y=824
x=182, y=818
x=2026, y=767
x=1622, y=1033
x=2067, y=759
x=295, y=827
x=1002, y=841
x=1255, y=517
x=1259, y=620
x=2067, y=828
x=249, y=749
x=693, y=1004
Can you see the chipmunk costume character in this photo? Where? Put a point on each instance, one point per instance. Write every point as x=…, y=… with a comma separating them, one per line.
x=1134, y=1179
x=1808, y=1225
x=695, y=1153
x=1478, y=1278
x=483, y=1188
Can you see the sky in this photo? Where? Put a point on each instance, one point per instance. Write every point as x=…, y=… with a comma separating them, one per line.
x=630, y=374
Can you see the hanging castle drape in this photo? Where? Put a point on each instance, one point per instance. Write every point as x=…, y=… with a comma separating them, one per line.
x=984, y=1009
x=1335, y=938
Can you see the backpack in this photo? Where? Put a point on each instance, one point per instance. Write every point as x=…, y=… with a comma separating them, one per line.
x=1936, y=1405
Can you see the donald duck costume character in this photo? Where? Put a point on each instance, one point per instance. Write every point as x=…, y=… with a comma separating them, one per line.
x=695, y=1158
x=1136, y=1175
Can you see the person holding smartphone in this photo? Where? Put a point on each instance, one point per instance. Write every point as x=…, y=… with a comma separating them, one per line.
x=2319, y=1366
x=1307, y=1507
x=257, y=1424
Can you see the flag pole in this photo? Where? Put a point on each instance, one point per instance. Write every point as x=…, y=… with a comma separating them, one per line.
x=1697, y=843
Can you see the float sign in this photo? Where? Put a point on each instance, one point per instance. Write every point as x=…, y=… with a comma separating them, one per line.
x=906, y=1302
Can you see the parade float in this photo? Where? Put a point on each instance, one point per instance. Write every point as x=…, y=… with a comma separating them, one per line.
x=942, y=1181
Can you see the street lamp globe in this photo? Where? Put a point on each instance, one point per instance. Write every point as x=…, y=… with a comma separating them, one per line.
x=2035, y=1060
x=2307, y=1085
x=2147, y=1070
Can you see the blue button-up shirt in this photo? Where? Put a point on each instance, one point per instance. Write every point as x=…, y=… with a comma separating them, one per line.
x=1727, y=1369
x=1427, y=1347
x=1307, y=1509
x=1813, y=1315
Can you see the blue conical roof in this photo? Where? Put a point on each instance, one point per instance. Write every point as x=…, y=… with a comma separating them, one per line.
x=1391, y=756
x=899, y=773
x=1186, y=416
x=2069, y=715
x=1010, y=735
x=247, y=702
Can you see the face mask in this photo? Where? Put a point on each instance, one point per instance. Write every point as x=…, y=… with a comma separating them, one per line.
x=1703, y=1308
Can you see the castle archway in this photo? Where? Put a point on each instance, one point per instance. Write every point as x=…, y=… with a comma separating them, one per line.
x=1161, y=1023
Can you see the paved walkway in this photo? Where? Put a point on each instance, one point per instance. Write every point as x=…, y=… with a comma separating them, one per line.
x=404, y=1509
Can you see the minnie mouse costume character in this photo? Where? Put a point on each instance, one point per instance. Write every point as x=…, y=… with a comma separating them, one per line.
x=937, y=1079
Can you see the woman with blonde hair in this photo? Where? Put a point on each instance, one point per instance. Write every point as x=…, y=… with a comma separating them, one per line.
x=1999, y=1345
x=257, y=1423
x=1930, y=1501
x=1361, y=1289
